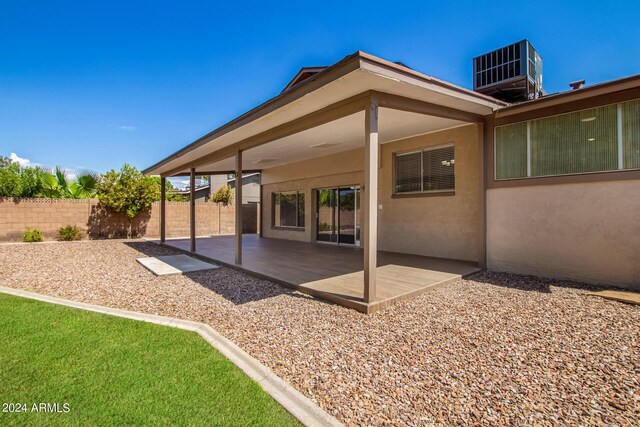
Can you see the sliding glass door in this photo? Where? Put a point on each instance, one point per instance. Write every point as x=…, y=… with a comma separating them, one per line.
x=337, y=215
x=327, y=215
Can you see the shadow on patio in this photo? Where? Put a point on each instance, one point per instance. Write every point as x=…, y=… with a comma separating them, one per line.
x=240, y=289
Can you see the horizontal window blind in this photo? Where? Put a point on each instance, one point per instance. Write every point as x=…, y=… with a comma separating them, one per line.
x=585, y=141
x=631, y=134
x=429, y=170
x=511, y=151
x=408, y=169
x=438, y=173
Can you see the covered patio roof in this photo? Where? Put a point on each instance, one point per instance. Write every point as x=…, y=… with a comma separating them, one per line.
x=323, y=115
x=361, y=101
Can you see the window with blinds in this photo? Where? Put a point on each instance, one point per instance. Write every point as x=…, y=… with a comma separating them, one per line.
x=594, y=140
x=511, y=151
x=630, y=112
x=425, y=171
x=288, y=209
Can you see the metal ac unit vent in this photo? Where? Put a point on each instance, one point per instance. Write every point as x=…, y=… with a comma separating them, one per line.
x=512, y=73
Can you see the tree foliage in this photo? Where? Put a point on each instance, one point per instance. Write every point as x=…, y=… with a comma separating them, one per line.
x=223, y=195
x=16, y=181
x=4, y=162
x=171, y=192
x=127, y=191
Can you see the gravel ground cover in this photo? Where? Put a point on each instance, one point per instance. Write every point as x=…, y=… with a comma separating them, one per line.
x=495, y=349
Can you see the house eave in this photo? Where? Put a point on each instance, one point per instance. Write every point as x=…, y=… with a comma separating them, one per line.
x=354, y=62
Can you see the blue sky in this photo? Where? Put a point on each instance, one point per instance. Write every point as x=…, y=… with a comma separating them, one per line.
x=93, y=85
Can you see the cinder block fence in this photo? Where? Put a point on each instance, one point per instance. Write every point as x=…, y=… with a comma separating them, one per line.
x=17, y=214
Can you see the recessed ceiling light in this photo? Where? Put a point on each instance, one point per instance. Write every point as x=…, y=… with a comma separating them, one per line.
x=324, y=145
x=591, y=139
x=588, y=119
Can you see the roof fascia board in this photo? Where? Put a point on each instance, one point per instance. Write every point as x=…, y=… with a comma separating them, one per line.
x=327, y=114
x=410, y=105
x=340, y=69
x=353, y=62
x=245, y=173
x=392, y=70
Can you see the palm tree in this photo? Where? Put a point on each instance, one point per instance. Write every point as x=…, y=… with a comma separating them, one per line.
x=55, y=184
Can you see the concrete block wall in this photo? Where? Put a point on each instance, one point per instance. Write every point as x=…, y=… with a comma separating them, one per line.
x=17, y=214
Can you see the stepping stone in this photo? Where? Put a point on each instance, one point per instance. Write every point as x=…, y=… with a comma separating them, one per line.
x=174, y=264
x=628, y=297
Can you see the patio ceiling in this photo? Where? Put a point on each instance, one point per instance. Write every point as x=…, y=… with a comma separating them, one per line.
x=344, y=134
x=337, y=88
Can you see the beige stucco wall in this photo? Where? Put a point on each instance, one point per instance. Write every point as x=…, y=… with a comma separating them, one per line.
x=586, y=232
x=341, y=169
x=439, y=226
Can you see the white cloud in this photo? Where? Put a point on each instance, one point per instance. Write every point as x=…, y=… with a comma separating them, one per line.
x=127, y=128
x=19, y=160
x=180, y=184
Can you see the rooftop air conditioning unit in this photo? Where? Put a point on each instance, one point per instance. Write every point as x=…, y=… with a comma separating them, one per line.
x=512, y=73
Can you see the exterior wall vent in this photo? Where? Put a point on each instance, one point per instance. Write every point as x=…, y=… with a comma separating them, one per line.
x=512, y=73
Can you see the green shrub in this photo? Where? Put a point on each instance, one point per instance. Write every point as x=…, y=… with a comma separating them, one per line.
x=69, y=233
x=174, y=197
x=223, y=195
x=32, y=235
x=127, y=191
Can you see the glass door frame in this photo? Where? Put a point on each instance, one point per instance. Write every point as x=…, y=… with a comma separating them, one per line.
x=335, y=198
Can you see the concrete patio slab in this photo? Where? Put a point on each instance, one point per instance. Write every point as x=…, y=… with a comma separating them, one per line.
x=174, y=264
x=622, y=296
x=331, y=272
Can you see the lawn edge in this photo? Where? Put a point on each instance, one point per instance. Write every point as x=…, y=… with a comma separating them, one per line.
x=297, y=404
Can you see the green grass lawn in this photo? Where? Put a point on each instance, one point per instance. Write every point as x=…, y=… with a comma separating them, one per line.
x=114, y=371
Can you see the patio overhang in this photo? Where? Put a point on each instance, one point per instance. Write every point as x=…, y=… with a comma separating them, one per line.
x=362, y=101
x=324, y=114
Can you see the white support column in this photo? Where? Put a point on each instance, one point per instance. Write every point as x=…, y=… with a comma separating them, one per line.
x=238, y=204
x=370, y=200
x=192, y=208
x=163, y=210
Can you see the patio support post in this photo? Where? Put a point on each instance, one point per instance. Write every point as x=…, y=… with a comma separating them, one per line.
x=483, y=128
x=163, y=210
x=370, y=200
x=192, y=208
x=238, y=207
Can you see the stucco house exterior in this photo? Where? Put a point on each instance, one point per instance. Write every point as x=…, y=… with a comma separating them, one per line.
x=374, y=155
